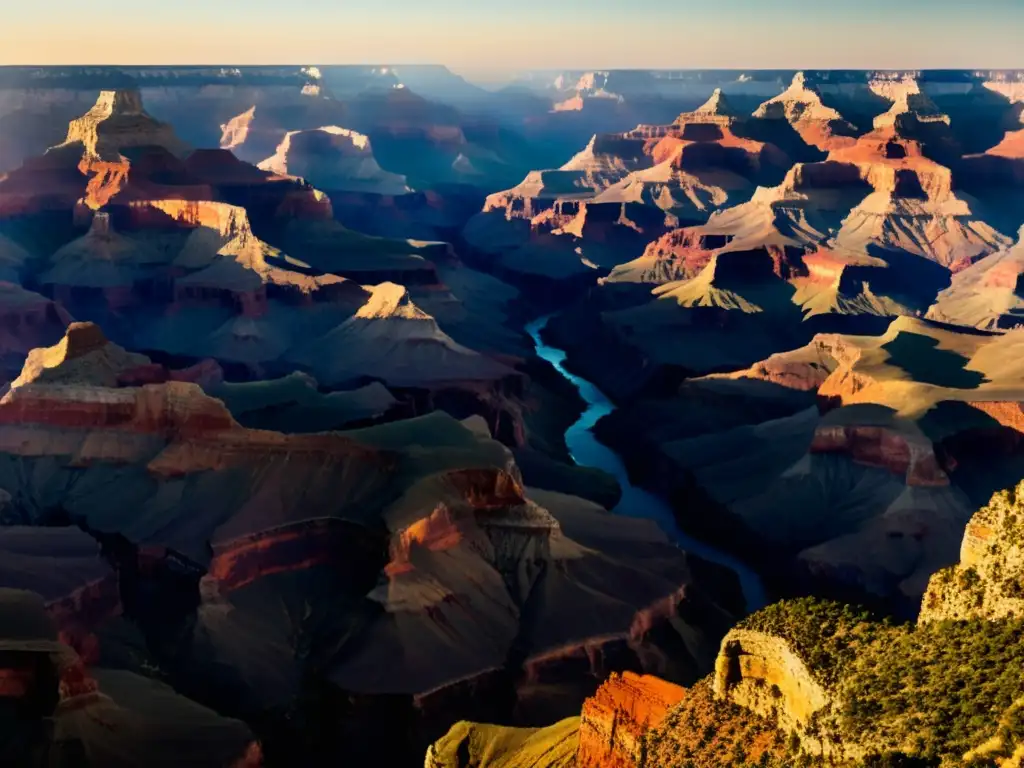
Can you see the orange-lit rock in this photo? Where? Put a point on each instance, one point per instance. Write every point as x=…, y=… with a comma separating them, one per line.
x=801, y=105
x=615, y=718
x=243, y=561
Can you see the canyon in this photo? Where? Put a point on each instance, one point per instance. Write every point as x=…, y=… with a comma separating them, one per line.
x=358, y=414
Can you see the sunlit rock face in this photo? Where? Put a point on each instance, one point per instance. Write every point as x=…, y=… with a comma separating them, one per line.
x=93, y=162
x=802, y=106
x=619, y=715
x=336, y=159
x=986, y=581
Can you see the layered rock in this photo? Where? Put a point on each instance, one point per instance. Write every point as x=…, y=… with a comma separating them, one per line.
x=906, y=432
x=83, y=356
x=64, y=566
x=550, y=227
x=97, y=711
x=114, y=139
x=119, y=122
x=987, y=582
x=63, y=406
x=784, y=221
x=391, y=339
x=474, y=557
x=183, y=252
x=913, y=208
x=622, y=191
x=603, y=162
x=478, y=532
x=986, y=295
x=335, y=159
x=616, y=718
x=701, y=164
x=801, y=105
x=762, y=673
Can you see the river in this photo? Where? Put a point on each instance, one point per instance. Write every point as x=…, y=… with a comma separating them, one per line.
x=586, y=450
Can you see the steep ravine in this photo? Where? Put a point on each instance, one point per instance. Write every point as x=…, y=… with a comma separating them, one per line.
x=586, y=450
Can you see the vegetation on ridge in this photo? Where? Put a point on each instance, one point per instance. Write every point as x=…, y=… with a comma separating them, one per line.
x=903, y=696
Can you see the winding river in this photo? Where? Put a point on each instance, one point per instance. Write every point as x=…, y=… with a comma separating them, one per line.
x=586, y=450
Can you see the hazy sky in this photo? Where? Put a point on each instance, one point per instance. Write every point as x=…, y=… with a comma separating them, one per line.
x=478, y=35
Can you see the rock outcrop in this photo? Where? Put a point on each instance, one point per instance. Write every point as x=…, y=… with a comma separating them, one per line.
x=391, y=339
x=701, y=164
x=64, y=566
x=988, y=582
x=616, y=719
x=83, y=356
x=762, y=673
x=802, y=106
x=335, y=159
x=913, y=207
x=473, y=745
x=986, y=295
x=119, y=122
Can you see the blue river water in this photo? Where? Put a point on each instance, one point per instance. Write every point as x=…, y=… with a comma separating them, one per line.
x=586, y=450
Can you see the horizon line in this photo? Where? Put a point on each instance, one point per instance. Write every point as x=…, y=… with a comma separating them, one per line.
x=581, y=68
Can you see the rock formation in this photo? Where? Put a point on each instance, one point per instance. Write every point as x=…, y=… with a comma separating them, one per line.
x=763, y=674
x=64, y=566
x=472, y=745
x=913, y=208
x=115, y=139
x=701, y=164
x=624, y=189
x=798, y=215
x=471, y=550
x=987, y=581
x=801, y=105
x=117, y=717
x=391, y=339
x=118, y=122
x=616, y=718
x=336, y=159
x=986, y=294
x=83, y=356
x=901, y=444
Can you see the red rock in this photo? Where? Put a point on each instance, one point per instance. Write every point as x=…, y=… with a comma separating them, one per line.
x=883, y=448
x=292, y=548
x=79, y=614
x=615, y=718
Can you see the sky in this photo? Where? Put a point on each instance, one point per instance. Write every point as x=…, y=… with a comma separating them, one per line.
x=480, y=36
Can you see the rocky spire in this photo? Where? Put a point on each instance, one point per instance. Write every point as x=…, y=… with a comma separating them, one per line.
x=118, y=121
x=717, y=105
